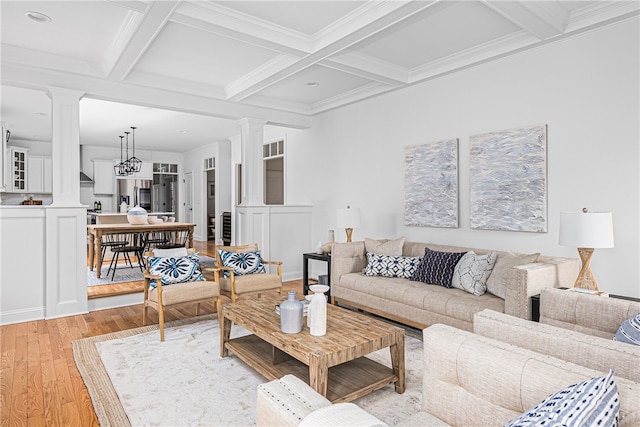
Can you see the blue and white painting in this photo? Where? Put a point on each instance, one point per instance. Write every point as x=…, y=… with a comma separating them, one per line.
x=431, y=184
x=508, y=180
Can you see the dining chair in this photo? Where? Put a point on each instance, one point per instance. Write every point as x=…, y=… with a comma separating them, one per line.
x=134, y=246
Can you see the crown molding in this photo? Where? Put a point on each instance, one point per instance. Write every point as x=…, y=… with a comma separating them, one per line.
x=538, y=18
x=368, y=67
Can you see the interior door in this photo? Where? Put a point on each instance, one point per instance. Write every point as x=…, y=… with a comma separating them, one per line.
x=188, y=197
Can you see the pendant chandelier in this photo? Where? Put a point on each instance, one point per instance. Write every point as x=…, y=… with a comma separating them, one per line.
x=132, y=164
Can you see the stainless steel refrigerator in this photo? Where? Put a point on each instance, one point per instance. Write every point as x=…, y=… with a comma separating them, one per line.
x=135, y=192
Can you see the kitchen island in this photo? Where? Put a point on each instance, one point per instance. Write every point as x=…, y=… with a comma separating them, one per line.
x=97, y=231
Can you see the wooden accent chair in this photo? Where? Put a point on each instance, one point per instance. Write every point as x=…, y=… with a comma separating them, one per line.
x=165, y=295
x=238, y=284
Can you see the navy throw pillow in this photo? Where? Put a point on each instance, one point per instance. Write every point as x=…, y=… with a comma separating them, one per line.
x=437, y=268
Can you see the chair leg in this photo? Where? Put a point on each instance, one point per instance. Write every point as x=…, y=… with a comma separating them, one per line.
x=161, y=316
x=114, y=265
x=197, y=309
x=144, y=314
x=219, y=310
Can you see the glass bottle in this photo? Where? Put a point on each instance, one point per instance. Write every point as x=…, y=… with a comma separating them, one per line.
x=291, y=314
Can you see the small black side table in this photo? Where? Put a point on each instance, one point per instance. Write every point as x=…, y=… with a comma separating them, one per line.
x=535, y=304
x=305, y=269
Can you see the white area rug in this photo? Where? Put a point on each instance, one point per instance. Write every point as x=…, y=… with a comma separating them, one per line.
x=134, y=378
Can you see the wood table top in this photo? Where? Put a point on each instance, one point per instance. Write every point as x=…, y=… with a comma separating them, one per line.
x=349, y=334
x=126, y=227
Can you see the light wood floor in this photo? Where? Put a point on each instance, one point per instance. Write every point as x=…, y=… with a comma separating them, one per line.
x=39, y=382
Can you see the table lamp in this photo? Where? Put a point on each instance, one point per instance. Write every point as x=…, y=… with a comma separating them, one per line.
x=349, y=219
x=586, y=231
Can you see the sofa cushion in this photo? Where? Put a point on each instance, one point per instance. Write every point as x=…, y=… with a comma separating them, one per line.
x=436, y=268
x=390, y=266
x=629, y=331
x=589, y=403
x=384, y=246
x=497, y=281
x=472, y=271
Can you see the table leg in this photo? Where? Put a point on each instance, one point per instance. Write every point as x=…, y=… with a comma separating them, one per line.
x=318, y=372
x=305, y=275
x=397, y=361
x=91, y=251
x=190, y=238
x=225, y=333
x=98, y=254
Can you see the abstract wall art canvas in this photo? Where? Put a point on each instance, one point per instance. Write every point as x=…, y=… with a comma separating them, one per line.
x=508, y=180
x=431, y=184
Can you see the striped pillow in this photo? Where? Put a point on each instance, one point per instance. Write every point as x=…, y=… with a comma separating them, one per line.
x=594, y=402
x=629, y=331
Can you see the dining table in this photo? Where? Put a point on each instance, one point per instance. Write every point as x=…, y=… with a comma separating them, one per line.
x=97, y=231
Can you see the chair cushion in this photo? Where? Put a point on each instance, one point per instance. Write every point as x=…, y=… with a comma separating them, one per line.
x=242, y=262
x=186, y=292
x=175, y=269
x=252, y=283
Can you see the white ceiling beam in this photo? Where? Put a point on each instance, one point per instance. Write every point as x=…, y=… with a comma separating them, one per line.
x=368, y=67
x=340, y=37
x=97, y=87
x=136, y=35
x=542, y=19
x=232, y=24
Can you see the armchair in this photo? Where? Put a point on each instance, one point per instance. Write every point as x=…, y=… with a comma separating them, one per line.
x=241, y=270
x=176, y=279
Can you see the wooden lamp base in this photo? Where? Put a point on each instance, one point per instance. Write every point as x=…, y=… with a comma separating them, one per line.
x=585, y=279
x=349, y=231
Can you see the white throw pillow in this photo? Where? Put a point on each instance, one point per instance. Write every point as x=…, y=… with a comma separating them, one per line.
x=472, y=271
x=497, y=281
x=384, y=247
x=170, y=253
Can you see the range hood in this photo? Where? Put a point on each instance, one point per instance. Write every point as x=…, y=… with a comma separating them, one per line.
x=84, y=177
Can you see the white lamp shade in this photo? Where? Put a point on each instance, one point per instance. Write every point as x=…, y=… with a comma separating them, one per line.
x=349, y=218
x=586, y=229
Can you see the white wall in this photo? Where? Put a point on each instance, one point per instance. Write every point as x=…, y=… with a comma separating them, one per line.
x=585, y=88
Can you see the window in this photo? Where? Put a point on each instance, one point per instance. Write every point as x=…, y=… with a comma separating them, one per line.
x=210, y=163
x=273, y=158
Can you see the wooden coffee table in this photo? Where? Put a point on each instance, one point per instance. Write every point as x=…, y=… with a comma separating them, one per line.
x=333, y=364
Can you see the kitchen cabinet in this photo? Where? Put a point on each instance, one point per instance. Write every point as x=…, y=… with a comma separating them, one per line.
x=39, y=174
x=17, y=179
x=103, y=177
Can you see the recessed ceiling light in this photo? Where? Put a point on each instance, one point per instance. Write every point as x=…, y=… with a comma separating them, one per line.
x=38, y=17
x=41, y=114
x=36, y=137
x=184, y=131
x=313, y=84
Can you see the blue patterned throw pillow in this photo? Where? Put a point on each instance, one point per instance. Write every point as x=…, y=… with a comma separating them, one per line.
x=629, y=331
x=436, y=268
x=175, y=269
x=594, y=402
x=390, y=266
x=242, y=262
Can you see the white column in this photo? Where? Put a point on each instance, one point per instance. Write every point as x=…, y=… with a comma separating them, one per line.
x=65, y=141
x=252, y=134
x=66, y=221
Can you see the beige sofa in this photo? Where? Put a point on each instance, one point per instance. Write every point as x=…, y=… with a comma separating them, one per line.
x=469, y=380
x=419, y=305
x=575, y=327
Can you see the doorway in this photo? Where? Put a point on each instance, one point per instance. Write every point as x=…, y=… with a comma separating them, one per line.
x=188, y=196
x=211, y=204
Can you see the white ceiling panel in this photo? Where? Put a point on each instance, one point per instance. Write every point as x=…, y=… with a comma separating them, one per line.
x=457, y=27
x=82, y=30
x=330, y=82
x=26, y=113
x=200, y=56
x=307, y=17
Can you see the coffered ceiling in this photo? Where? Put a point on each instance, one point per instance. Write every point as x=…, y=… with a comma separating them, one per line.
x=283, y=61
